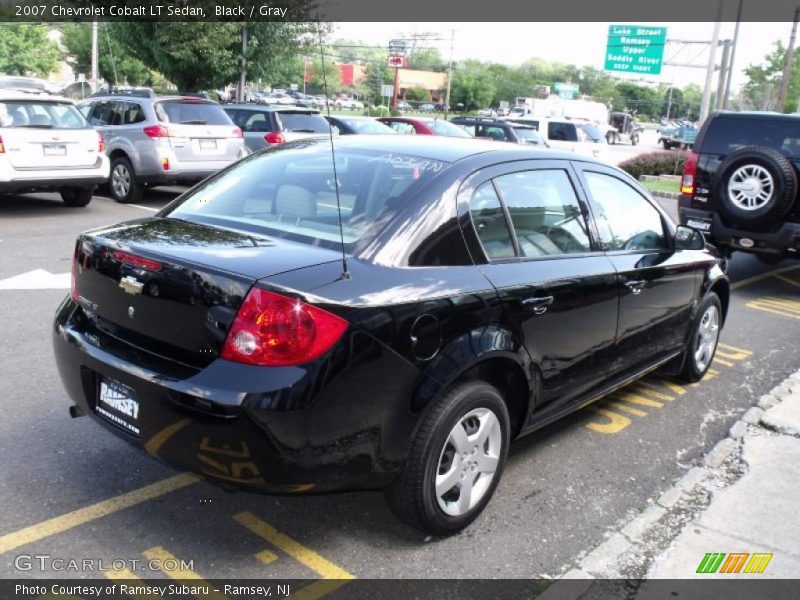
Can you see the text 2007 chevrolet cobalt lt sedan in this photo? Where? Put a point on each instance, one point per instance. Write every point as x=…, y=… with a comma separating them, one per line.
x=486, y=290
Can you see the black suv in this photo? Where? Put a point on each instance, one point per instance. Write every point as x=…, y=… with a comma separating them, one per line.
x=740, y=184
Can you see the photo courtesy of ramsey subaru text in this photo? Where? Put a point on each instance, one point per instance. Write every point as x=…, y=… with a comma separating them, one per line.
x=390, y=315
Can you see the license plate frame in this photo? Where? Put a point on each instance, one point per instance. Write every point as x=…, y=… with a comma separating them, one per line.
x=117, y=404
x=54, y=149
x=700, y=224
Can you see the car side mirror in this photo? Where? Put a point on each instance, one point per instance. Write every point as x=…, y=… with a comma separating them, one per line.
x=687, y=238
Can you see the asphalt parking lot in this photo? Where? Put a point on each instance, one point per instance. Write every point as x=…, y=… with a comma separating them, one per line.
x=71, y=489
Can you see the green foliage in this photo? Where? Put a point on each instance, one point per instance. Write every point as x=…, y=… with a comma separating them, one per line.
x=472, y=86
x=427, y=59
x=418, y=94
x=115, y=63
x=25, y=49
x=379, y=111
x=764, y=80
x=660, y=162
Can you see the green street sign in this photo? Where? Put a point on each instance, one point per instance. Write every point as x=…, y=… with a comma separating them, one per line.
x=635, y=49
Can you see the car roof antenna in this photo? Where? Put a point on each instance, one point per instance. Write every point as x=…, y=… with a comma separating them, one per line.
x=345, y=272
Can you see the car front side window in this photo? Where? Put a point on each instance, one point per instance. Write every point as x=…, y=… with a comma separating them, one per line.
x=625, y=219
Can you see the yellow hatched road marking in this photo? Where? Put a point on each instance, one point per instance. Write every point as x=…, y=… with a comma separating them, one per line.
x=787, y=280
x=738, y=284
x=758, y=305
x=641, y=400
x=320, y=565
x=792, y=305
x=672, y=386
x=128, y=575
x=628, y=409
x=722, y=361
x=649, y=390
x=73, y=519
x=735, y=349
x=267, y=557
x=616, y=422
x=161, y=554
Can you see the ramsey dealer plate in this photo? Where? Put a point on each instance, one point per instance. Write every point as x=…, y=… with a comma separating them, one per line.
x=699, y=224
x=115, y=403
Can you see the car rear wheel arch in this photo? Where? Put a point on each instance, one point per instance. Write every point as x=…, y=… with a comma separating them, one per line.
x=722, y=289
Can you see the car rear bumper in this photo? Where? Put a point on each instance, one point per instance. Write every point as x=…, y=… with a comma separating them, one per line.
x=255, y=428
x=16, y=180
x=785, y=240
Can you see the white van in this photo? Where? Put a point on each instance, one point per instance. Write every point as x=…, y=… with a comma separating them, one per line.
x=577, y=136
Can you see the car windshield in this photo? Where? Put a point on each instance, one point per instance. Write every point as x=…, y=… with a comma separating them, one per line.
x=289, y=192
x=593, y=133
x=529, y=135
x=367, y=126
x=447, y=128
x=304, y=121
x=191, y=112
x=41, y=115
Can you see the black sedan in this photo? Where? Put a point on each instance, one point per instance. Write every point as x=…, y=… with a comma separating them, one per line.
x=394, y=326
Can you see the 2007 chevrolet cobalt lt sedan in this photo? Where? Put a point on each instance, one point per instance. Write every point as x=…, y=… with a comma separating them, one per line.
x=393, y=323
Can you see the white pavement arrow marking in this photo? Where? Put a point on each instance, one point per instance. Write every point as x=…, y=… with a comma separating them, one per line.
x=38, y=279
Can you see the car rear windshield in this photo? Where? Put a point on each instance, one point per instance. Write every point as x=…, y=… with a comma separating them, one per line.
x=593, y=133
x=191, y=112
x=289, y=192
x=529, y=135
x=303, y=121
x=447, y=128
x=728, y=135
x=41, y=115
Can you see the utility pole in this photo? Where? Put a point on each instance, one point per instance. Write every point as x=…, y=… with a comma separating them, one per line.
x=787, y=64
x=95, y=78
x=712, y=51
x=733, y=55
x=449, y=75
x=669, y=100
x=723, y=73
x=243, y=73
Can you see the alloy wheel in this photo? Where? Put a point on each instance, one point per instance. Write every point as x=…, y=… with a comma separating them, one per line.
x=706, y=339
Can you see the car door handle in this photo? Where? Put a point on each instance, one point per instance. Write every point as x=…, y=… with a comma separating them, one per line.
x=635, y=286
x=539, y=304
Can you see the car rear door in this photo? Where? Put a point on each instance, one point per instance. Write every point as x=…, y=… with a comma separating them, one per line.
x=559, y=292
x=199, y=130
x=657, y=285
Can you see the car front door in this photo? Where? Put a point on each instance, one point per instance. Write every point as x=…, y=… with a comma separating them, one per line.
x=657, y=283
x=558, y=291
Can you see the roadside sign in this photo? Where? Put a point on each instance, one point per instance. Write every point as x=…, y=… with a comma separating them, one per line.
x=635, y=49
x=398, y=62
x=567, y=90
x=387, y=91
x=293, y=87
x=397, y=46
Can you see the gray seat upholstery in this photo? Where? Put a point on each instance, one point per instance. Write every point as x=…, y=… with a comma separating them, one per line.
x=295, y=202
x=41, y=120
x=18, y=117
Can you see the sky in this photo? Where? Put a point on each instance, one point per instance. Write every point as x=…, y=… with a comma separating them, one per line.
x=582, y=44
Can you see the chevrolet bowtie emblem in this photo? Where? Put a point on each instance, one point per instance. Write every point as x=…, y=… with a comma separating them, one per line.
x=131, y=285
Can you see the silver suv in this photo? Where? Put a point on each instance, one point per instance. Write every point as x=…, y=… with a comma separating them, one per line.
x=162, y=140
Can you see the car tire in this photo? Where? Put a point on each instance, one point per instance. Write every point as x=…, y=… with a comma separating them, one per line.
x=470, y=409
x=634, y=140
x=703, y=340
x=123, y=184
x=76, y=197
x=756, y=186
x=611, y=138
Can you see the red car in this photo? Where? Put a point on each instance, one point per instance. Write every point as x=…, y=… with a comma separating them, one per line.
x=424, y=126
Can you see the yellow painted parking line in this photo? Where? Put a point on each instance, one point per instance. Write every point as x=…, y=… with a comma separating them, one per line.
x=756, y=278
x=128, y=575
x=154, y=444
x=648, y=389
x=672, y=386
x=73, y=519
x=267, y=557
x=627, y=409
x=722, y=361
x=162, y=554
x=320, y=565
x=787, y=280
x=781, y=308
x=616, y=422
x=735, y=349
x=792, y=305
x=640, y=400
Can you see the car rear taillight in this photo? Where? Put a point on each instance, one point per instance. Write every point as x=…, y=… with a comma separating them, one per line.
x=156, y=131
x=2, y=148
x=274, y=137
x=275, y=330
x=73, y=283
x=237, y=132
x=101, y=143
x=689, y=180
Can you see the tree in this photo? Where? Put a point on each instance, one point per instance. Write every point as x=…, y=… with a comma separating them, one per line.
x=472, y=86
x=115, y=63
x=417, y=94
x=427, y=59
x=763, y=81
x=25, y=49
x=207, y=55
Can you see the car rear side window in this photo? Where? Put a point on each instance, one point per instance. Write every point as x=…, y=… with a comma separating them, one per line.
x=564, y=132
x=493, y=132
x=303, y=122
x=625, y=219
x=133, y=113
x=489, y=220
x=191, y=112
x=545, y=212
x=726, y=135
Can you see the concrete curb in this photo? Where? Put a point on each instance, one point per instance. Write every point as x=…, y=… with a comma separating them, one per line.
x=614, y=557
